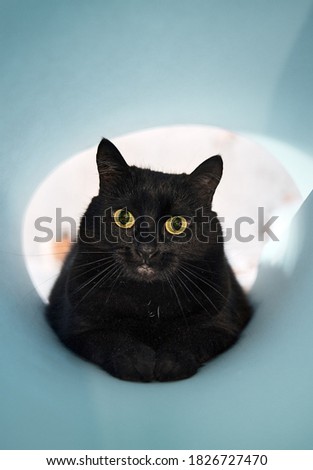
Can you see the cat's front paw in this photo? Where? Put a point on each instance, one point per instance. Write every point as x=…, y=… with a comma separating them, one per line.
x=175, y=365
x=136, y=364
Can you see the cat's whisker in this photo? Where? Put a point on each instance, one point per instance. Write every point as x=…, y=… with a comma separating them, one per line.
x=114, y=283
x=204, y=281
x=35, y=289
x=197, y=267
x=53, y=253
x=94, y=277
x=191, y=293
x=95, y=249
x=193, y=269
x=109, y=275
x=98, y=266
x=56, y=253
x=96, y=252
x=212, y=287
x=199, y=288
x=98, y=283
x=171, y=284
x=101, y=260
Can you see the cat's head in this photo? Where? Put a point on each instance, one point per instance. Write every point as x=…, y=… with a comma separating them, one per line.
x=153, y=223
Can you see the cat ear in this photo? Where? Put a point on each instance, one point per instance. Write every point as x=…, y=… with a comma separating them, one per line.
x=209, y=173
x=111, y=164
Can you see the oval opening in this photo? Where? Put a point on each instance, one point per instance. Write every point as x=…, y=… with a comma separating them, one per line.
x=255, y=186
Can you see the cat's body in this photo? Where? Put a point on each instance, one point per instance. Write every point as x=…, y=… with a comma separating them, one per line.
x=147, y=293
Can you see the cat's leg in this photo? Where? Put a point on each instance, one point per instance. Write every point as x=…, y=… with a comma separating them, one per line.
x=173, y=363
x=187, y=347
x=118, y=353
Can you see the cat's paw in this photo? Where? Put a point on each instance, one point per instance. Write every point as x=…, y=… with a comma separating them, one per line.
x=135, y=364
x=175, y=365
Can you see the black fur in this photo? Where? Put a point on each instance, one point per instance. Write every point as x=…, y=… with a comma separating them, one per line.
x=148, y=306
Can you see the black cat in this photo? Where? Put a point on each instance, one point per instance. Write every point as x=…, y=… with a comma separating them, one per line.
x=146, y=292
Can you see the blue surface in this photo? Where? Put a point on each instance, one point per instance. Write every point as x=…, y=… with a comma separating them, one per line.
x=73, y=71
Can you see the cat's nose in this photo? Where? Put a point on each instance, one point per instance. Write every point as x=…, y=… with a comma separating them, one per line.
x=146, y=251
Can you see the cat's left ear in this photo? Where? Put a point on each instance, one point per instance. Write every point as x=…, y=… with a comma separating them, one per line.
x=111, y=164
x=209, y=173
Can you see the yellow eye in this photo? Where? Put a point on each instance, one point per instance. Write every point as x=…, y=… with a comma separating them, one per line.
x=176, y=225
x=123, y=218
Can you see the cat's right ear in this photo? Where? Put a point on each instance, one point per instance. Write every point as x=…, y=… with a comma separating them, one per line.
x=111, y=164
x=209, y=173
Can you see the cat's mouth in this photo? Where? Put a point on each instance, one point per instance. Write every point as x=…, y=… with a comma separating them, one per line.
x=146, y=270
